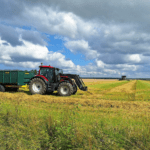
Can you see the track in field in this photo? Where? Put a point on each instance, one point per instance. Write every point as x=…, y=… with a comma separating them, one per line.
x=127, y=88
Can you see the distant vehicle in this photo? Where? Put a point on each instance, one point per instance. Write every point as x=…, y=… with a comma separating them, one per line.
x=48, y=80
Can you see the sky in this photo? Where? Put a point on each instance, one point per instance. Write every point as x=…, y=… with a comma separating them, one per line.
x=91, y=38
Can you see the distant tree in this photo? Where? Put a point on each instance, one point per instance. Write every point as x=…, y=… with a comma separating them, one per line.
x=35, y=71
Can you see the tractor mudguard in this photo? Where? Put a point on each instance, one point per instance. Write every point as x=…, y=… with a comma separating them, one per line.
x=46, y=81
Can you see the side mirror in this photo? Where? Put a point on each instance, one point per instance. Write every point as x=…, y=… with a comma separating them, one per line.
x=58, y=77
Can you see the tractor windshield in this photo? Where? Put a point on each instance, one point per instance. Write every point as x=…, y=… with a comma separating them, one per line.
x=43, y=71
x=57, y=71
x=48, y=73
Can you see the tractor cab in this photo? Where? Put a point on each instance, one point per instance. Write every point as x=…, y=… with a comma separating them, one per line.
x=51, y=73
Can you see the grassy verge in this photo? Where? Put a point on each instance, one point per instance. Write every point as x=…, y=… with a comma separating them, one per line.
x=40, y=125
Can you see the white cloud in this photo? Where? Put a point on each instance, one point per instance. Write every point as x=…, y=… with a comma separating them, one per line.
x=110, y=71
x=135, y=58
x=127, y=67
x=82, y=47
x=100, y=64
x=30, y=56
x=5, y=57
x=62, y=23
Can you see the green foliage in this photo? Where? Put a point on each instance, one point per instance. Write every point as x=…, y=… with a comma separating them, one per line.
x=35, y=71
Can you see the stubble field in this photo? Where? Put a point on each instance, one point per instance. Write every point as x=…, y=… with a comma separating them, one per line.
x=112, y=114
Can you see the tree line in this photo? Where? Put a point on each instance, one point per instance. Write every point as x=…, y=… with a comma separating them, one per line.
x=33, y=70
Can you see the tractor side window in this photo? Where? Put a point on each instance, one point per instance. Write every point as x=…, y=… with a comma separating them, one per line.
x=58, y=71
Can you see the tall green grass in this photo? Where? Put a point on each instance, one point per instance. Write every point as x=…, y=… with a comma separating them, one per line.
x=54, y=126
x=142, y=91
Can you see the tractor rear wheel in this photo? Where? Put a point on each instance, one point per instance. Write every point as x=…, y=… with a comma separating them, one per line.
x=2, y=88
x=65, y=89
x=37, y=86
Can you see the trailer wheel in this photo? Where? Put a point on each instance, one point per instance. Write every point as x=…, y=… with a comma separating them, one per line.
x=2, y=88
x=37, y=86
x=65, y=89
x=74, y=89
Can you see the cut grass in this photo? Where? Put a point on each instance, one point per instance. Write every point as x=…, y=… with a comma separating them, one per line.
x=53, y=122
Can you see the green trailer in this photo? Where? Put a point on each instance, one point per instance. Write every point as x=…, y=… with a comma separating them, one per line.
x=14, y=79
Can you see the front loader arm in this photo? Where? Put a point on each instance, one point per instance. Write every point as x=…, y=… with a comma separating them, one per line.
x=78, y=81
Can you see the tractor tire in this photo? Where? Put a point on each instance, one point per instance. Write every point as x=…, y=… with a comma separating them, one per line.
x=65, y=89
x=37, y=86
x=2, y=88
x=74, y=89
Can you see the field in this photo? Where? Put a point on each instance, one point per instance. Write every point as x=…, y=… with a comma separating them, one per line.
x=111, y=115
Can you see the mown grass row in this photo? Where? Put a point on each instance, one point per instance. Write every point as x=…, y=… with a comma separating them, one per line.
x=141, y=91
x=107, y=86
x=97, y=90
x=103, y=91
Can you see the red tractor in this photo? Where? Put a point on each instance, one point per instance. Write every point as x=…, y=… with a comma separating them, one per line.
x=50, y=79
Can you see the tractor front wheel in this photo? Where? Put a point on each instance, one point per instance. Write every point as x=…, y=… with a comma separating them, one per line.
x=37, y=86
x=65, y=89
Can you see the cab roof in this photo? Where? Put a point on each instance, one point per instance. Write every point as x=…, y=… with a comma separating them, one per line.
x=46, y=67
